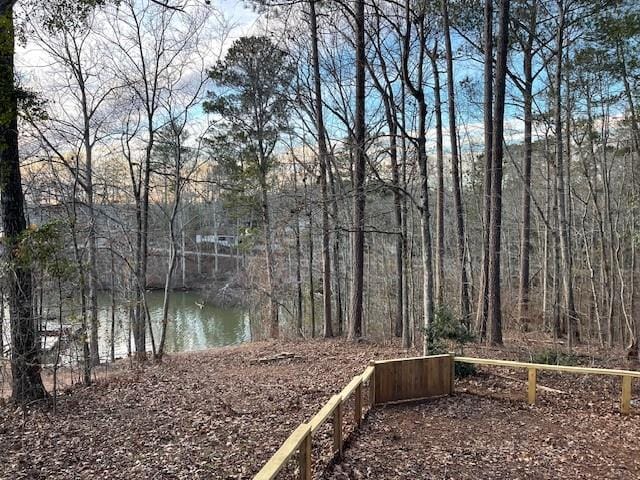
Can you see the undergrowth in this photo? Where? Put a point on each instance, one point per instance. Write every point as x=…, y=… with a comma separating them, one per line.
x=554, y=357
x=445, y=331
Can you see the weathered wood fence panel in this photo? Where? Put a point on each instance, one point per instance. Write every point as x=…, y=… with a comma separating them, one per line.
x=413, y=378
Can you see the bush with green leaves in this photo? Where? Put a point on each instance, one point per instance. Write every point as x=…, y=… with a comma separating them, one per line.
x=447, y=330
x=42, y=247
x=554, y=357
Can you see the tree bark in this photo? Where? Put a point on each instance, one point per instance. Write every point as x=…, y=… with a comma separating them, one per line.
x=417, y=91
x=93, y=249
x=407, y=339
x=440, y=251
x=274, y=324
x=323, y=160
x=483, y=302
x=299, y=312
x=525, y=228
x=336, y=250
x=312, y=300
x=567, y=261
x=495, y=223
x=357, y=237
x=455, y=173
x=25, y=349
x=173, y=240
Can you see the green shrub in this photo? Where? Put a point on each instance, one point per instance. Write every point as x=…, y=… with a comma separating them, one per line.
x=463, y=370
x=445, y=330
x=554, y=357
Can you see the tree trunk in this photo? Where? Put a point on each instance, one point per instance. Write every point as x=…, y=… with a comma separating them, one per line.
x=557, y=328
x=92, y=250
x=483, y=298
x=112, y=342
x=86, y=354
x=455, y=174
x=323, y=160
x=525, y=228
x=274, y=326
x=406, y=257
x=567, y=261
x=425, y=231
x=357, y=237
x=336, y=250
x=25, y=349
x=440, y=252
x=495, y=223
x=312, y=299
x=138, y=329
x=1, y=322
x=173, y=246
x=417, y=91
x=299, y=312
x=386, y=90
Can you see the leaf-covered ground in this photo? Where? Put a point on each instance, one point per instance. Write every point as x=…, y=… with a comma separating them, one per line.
x=219, y=415
x=212, y=414
x=486, y=430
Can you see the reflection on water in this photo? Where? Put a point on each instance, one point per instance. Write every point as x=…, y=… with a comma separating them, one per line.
x=193, y=324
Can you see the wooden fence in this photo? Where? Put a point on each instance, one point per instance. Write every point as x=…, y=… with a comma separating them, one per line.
x=408, y=379
x=401, y=380
x=388, y=381
x=626, y=375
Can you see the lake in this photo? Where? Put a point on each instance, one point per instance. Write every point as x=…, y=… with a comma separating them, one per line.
x=193, y=325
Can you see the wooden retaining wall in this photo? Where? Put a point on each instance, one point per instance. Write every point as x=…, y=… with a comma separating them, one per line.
x=402, y=380
x=409, y=379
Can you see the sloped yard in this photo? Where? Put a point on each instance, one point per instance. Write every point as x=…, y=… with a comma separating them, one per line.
x=221, y=414
x=218, y=414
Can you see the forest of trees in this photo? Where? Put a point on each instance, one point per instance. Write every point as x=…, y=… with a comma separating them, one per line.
x=388, y=164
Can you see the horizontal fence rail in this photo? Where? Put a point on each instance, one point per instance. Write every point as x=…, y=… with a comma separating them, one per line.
x=626, y=375
x=298, y=440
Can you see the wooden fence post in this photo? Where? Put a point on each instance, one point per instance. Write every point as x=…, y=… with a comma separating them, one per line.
x=625, y=400
x=372, y=385
x=304, y=458
x=358, y=404
x=531, y=391
x=337, y=429
x=453, y=373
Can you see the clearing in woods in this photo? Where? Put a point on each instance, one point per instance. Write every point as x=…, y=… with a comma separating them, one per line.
x=488, y=431
x=222, y=413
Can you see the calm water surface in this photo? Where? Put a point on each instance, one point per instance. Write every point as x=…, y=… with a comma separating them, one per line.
x=193, y=324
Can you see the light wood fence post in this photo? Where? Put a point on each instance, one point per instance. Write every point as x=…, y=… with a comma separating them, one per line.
x=372, y=386
x=625, y=400
x=531, y=391
x=337, y=429
x=358, y=404
x=304, y=458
